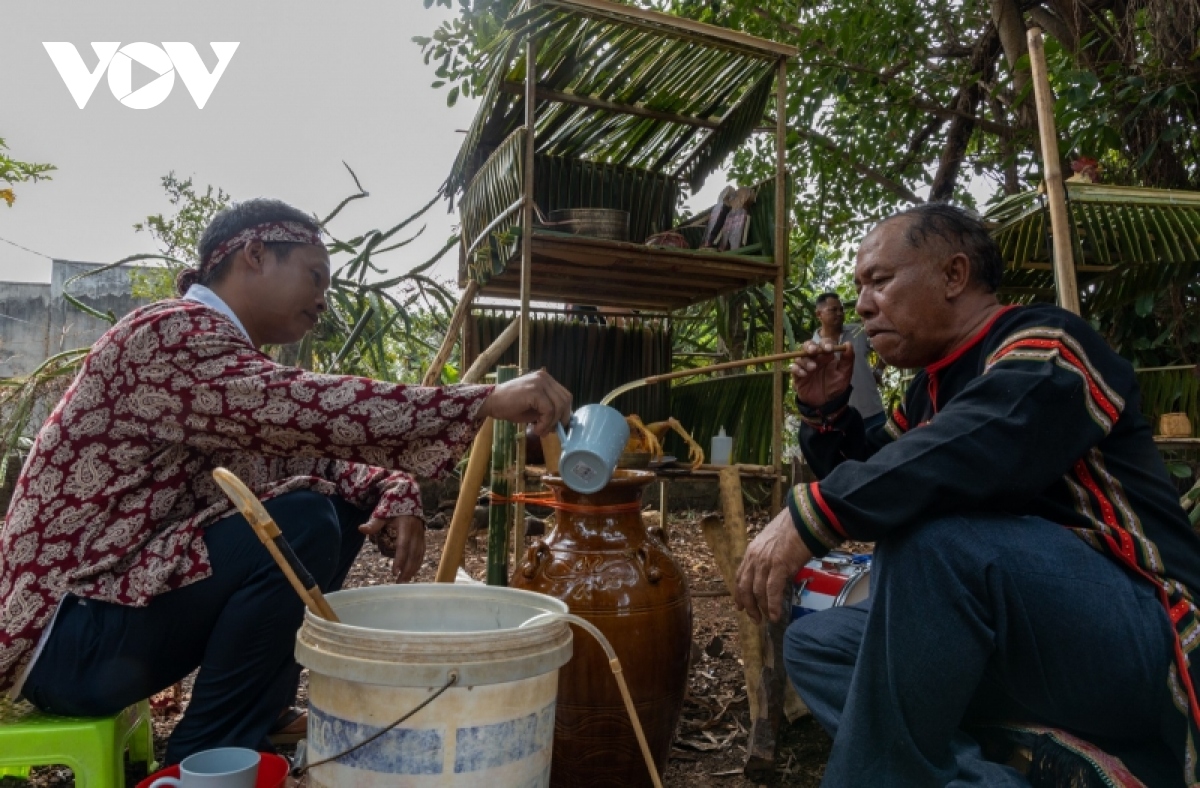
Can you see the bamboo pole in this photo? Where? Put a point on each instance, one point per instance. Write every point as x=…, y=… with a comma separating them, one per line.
x=518, y=521
x=488, y=358
x=781, y=263
x=500, y=514
x=464, y=509
x=1060, y=226
x=681, y=27
x=434, y=373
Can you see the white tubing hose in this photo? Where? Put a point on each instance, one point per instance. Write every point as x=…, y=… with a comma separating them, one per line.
x=615, y=665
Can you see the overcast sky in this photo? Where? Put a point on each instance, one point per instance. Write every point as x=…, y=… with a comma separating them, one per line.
x=311, y=84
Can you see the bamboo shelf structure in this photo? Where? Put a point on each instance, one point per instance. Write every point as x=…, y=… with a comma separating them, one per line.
x=599, y=272
x=594, y=104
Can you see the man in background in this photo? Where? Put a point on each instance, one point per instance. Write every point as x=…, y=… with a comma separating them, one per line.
x=864, y=396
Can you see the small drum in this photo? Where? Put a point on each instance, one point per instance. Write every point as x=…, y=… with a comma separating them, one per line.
x=837, y=580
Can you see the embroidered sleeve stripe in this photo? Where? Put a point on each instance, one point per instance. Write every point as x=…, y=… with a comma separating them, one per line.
x=814, y=489
x=809, y=519
x=1076, y=350
x=893, y=429
x=1102, y=408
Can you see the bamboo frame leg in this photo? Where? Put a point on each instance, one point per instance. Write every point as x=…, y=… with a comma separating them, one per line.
x=1060, y=225
x=464, y=509
x=434, y=373
x=487, y=359
x=781, y=263
x=500, y=514
x=531, y=75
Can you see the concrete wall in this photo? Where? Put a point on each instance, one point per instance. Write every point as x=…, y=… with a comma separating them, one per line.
x=24, y=326
x=36, y=321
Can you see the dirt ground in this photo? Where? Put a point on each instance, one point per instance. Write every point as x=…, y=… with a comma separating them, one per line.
x=710, y=745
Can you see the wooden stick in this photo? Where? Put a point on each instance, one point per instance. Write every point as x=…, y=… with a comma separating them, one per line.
x=270, y=535
x=464, y=509
x=434, y=373
x=1060, y=226
x=762, y=746
x=615, y=665
x=488, y=358
x=685, y=373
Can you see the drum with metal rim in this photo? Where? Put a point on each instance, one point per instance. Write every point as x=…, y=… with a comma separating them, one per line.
x=837, y=580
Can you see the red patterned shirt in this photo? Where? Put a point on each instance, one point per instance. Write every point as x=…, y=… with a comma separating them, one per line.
x=114, y=498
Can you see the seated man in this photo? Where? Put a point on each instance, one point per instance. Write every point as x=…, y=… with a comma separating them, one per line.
x=1032, y=561
x=122, y=565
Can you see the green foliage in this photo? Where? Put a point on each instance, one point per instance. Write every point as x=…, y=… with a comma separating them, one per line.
x=178, y=235
x=375, y=327
x=13, y=172
x=459, y=48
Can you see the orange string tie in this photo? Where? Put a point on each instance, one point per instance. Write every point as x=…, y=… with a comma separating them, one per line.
x=548, y=500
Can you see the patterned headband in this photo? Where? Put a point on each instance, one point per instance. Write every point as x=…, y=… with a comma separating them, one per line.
x=269, y=232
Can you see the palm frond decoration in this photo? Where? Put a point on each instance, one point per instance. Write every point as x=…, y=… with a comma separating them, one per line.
x=1125, y=240
x=589, y=358
x=695, y=98
x=739, y=403
x=1137, y=260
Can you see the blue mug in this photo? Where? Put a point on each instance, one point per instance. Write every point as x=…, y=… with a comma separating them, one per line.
x=590, y=453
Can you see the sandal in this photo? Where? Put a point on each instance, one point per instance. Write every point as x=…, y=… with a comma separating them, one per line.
x=291, y=727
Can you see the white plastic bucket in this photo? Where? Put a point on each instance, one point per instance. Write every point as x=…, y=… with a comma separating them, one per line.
x=397, y=645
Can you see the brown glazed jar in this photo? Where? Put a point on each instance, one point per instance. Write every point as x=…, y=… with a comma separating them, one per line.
x=610, y=571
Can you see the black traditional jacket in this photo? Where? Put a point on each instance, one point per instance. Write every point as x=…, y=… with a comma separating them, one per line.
x=1034, y=415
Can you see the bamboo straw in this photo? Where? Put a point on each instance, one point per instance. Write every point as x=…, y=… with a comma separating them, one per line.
x=270, y=535
x=686, y=373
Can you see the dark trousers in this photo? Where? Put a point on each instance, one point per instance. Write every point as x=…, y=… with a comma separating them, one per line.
x=238, y=626
x=986, y=618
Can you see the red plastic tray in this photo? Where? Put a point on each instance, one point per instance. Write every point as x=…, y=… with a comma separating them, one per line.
x=272, y=772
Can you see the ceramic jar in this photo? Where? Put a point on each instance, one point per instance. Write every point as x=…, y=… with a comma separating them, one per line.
x=610, y=571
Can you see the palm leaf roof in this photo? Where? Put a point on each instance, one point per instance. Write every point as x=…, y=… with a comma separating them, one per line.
x=621, y=85
x=1126, y=241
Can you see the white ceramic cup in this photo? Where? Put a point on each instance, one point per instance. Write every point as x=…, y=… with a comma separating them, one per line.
x=225, y=767
x=591, y=450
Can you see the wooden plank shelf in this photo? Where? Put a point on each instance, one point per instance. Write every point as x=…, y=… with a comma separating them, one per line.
x=596, y=271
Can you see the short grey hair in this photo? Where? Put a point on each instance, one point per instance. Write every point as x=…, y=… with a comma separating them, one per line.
x=962, y=232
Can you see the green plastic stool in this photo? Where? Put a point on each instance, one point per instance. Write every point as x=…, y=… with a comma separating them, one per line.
x=94, y=747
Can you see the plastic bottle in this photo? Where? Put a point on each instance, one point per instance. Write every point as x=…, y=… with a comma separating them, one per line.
x=722, y=448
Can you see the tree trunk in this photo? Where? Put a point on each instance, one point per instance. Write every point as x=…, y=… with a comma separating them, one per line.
x=1010, y=24
x=981, y=69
